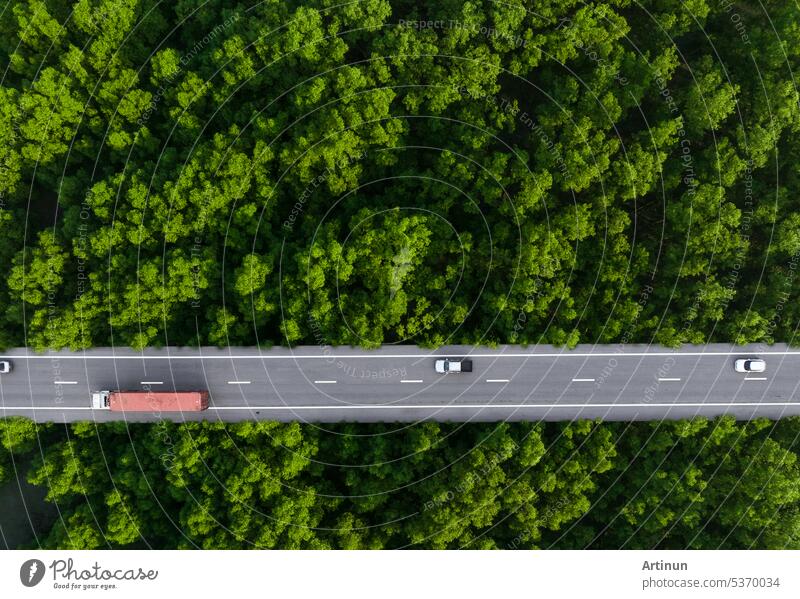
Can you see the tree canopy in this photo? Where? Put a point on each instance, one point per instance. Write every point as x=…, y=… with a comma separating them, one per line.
x=482, y=172
x=671, y=485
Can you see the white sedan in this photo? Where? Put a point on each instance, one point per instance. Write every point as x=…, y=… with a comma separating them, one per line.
x=5, y=367
x=750, y=365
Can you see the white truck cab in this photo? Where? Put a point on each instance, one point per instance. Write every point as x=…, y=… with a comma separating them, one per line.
x=100, y=400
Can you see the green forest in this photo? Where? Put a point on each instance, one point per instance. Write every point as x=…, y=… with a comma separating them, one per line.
x=669, y=485
x=367, y=172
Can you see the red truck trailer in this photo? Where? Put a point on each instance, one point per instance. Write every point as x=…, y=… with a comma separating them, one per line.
x=150, y=401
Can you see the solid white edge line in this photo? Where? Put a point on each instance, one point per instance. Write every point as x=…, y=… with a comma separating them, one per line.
x=324, y=382
x=65, y=382
x=582, y=380
x=755, y=378
x=6, y=408
x=372, y=356
x=498, y=381
x=412, y=381
x=456, y=406
x=667, y=380
x=239, y=382
x=515, y=406
x=152, y=383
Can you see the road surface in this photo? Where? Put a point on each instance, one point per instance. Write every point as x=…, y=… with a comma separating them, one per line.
x=398, y=383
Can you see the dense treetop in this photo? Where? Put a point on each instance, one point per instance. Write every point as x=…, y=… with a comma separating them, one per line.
x=373, y=171
x=671, y=485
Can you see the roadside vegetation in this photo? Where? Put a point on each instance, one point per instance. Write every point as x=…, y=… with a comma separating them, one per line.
x=368, y=172
x=698, y=484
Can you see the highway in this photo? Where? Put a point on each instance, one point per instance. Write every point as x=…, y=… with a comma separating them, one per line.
x=398, y=383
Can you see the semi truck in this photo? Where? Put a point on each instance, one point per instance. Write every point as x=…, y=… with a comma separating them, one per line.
x=447, y=365
x=150, y=401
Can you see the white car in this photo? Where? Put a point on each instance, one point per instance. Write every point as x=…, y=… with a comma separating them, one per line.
x=5, y=367
x=453, y=365
x=750, y=365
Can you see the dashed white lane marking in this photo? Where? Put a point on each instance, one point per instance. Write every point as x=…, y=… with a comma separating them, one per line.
x=667, y=380
x=497, y=380
x=755, y=378
x=582, y=380
x=238, y=382
x=65, y=382
x=324, y=382
x=411, y=381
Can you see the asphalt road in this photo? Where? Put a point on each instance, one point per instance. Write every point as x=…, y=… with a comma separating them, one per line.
x=398, y=383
